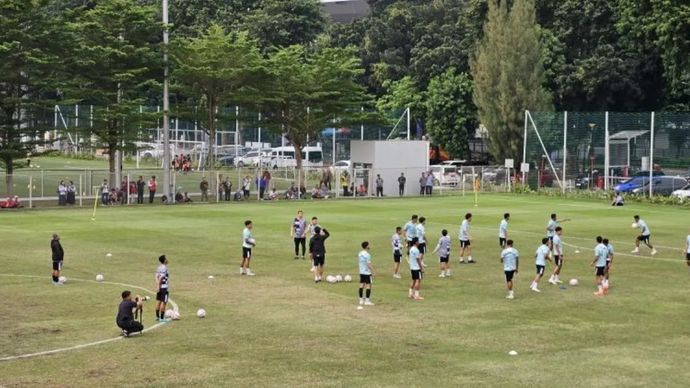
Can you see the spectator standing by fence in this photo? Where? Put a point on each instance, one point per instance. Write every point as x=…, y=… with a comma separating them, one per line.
x=153, y=185
x=345, y=183
x=422, y=184
x=429, y=183
x=62, y=193
x=379, y=185
x=401, y=184
x=203, y=186
x=246, y=186
x=105, y=192
x=71, y=193
x=140, y=189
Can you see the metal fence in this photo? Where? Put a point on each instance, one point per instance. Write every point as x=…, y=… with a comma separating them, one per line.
x=40, y=188
x=598, y=150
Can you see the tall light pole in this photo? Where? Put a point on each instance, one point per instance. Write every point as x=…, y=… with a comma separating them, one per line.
x=166, y=110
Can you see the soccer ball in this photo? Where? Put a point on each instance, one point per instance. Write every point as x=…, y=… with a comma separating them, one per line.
x=347, y=278
x=99, y=278
x=573, y=282
x=62, y=279
x=169, y=313
x=200, y=313
x=331, y=279
x=338, y=278
x=634, y=225
x=252, y=241
x=175, y=315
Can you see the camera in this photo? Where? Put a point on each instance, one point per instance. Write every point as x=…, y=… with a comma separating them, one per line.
x=141, y=298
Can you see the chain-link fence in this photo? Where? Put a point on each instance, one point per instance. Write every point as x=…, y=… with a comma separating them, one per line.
x=606, y=150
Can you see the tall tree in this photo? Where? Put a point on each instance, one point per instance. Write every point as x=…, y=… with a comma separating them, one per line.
x=116, y=64
x=190, y=18
x=450, y=112
x=308, y=90
x=281, y=23
x=214, y=70
x=401, y=95
x=29, y=76
x=509, y=75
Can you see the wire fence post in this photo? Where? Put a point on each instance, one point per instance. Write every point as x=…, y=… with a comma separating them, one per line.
x=607, y=155
x=81, y=190
x=565, y=147
x=31, y=191
x=651, y=157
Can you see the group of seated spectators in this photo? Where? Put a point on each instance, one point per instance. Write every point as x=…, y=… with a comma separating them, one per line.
x=11, y=203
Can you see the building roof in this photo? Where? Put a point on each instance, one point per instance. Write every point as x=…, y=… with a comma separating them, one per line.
x=627, y=135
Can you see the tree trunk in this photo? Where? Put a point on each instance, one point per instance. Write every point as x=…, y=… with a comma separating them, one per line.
x=299, y=172
x=112, y=149
x=9, y=178
x=211, y=106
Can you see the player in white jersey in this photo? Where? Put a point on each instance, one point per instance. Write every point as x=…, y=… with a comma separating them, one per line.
x=541, y=257
x=601, y=253
x=298, y=231
x=312, y=227
x=557, y=250
x=416, y=271
x=644, y=236
x=687, y=250
x=503, y=230
x=410, y=229
x=366, y=271
x=162, y=283
x=443, y=250
x=510, y=260
x=248, y=243
x=421, y=237
x=465, y=240
x=397, y=251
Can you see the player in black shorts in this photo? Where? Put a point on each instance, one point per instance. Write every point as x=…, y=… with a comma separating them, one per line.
x=162, y=296
x=317, y=250
x=58, y=257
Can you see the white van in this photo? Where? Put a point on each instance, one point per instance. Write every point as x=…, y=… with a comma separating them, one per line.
x=280, y=157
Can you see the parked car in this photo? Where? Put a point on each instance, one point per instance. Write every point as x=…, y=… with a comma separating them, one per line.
x=683, y=192
x=662, y=185
x=631, y=184
x=445, y=175
x=226, y=161
x=455, y=162
x=251, y=158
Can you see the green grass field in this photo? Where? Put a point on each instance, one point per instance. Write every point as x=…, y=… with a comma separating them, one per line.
x=281, y=329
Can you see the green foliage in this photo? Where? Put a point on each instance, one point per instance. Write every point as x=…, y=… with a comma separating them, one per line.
x=29, y=73
x=508, y=75
x=115, y=64
x=308, y=91
x=400, y=95
x=450, y=112
x=214, y=70
x=282, y=23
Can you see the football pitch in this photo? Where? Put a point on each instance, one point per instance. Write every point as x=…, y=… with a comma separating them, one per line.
x=281, y=329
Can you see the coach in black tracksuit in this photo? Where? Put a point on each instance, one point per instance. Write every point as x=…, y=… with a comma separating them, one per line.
x=125, y=315
x=317, y=250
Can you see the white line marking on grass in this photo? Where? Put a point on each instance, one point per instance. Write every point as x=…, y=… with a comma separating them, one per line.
x=81, y=346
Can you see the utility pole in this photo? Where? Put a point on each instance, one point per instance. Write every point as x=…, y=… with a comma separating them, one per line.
x=166, y=111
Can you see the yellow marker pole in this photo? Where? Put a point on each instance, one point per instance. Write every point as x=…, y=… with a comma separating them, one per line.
x=95, y=205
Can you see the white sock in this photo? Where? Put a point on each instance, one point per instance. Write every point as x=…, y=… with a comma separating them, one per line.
x=416, y=293
x=533, y=285
x=410, y=293
x=469, y=258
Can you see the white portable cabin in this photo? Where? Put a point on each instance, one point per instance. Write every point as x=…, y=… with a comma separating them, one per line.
x=389, y=158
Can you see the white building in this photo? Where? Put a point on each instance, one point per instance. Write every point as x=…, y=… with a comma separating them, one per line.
x=344, y=11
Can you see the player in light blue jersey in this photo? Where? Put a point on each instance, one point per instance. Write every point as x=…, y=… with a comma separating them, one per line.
x=465, y=240
x=645, y=235
x=366, y=271
x=510, y=259
x=541, y=257
x=609, y=263
x=601, y=254
x=443, y=251
x=410, y=229
x=397, y=251
x=551, y=226
x=416, y=270
x=557, y=251
x=503, y=230
x=421, y=237
x=248, y=243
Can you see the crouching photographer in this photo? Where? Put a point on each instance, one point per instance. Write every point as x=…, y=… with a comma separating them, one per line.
x=128, y=311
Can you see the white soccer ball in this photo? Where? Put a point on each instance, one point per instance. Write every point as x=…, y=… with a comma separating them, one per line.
x=331, y=279
x=573, y=282
x=252, y=241
x=175, y=315
x=108, y=255
x=634, y=225
x=99, y=278
x=62, y=279
x=347, y=278
x=338, y=278
x=200, y=313
x=169, y=313
x=210, y=277
x=513, y=353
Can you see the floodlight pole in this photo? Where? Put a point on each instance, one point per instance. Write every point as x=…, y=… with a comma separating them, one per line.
x=651, y=158
x=607, y=152
x=166, y=110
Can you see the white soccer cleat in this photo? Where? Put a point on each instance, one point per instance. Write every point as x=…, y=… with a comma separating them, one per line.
x=361, y=302
x=397, y=276
x=242, y=271
x=535, y=289
x=250, y=273
x=461, y=261
x=471, y=261
x=368, y=303
x=636, y=250
x=551, y=281
x=559, y=281
x=442, y=275
x=510, y=296
x=653, y=252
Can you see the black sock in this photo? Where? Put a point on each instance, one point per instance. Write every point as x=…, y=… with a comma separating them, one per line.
x=55, y=279
x=360, y=292
x=368, y=293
